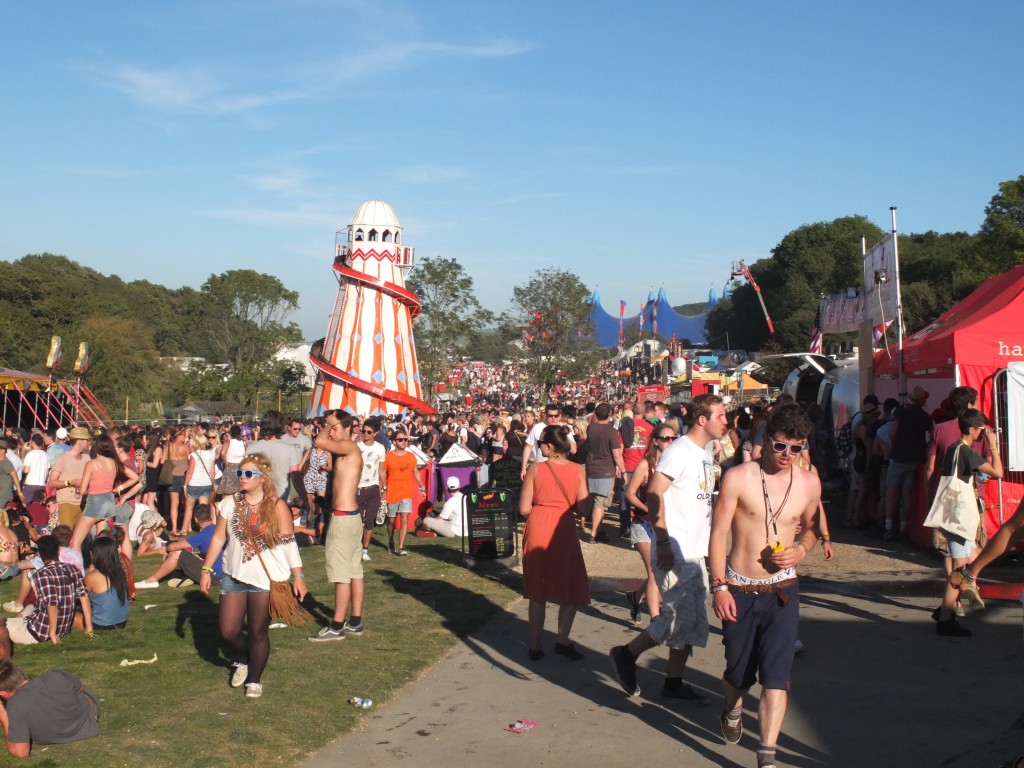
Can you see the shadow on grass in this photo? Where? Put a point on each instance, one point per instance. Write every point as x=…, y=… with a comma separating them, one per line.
x=199, y=613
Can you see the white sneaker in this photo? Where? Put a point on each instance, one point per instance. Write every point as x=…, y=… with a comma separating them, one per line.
x=147, y=584
x=241, y=671
x=13, y=607
x=253, y=690
x=179, y=583
x=366, y=555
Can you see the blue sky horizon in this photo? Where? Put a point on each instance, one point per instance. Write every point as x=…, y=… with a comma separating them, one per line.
x=637, y=145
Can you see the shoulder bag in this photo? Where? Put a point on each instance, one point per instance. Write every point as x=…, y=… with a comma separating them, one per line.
x=955, y=508
x=573, y=506
x=283, y=604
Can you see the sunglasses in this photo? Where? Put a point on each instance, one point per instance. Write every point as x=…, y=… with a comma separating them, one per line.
x=247, y=473
x=401, y=440
x=794, y=449
x=369, y=432
x=665, y=439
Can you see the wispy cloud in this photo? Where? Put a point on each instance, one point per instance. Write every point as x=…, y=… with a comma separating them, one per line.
x=210, y=90
x=318, y=217
x=288, y=182
x=431, y=173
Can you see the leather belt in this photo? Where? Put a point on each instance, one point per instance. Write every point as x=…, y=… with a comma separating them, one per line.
x=764, y=589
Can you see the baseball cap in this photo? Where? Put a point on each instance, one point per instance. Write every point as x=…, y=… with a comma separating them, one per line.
x=62, y=434
x=453, y=483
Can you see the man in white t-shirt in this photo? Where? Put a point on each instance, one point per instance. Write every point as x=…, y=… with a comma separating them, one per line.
x=372, y=480
x=284, y=457
x=531, y=453
x=679, y=500
x=449, y=521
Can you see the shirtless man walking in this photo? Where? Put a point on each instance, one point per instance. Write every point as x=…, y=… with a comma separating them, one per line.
x=755, y=589
x=345, y=533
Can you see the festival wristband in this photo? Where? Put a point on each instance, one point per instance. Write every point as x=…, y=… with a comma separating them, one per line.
x=719, y=588
x=207, y=569
x=300, y=575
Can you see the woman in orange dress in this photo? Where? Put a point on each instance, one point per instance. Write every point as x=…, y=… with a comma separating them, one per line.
x=553, y=567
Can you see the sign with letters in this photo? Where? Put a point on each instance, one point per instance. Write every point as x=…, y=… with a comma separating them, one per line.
x=490, y=532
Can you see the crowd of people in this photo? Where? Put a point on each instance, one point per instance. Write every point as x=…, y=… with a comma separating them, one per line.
x=232, y=504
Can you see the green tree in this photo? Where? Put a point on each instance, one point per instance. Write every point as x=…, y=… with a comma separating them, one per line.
x=1000, y=241
x=451, y=317
x=245, y=319
x=550, y=318
x=123, y=362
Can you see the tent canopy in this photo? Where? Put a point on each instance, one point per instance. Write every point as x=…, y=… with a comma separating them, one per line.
x=986, y=329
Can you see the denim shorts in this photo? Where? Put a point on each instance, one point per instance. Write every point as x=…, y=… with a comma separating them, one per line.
x=9, y=571
x=403, y=507
x=900, y=476
x=227, y=584
x=100, y=506
x=640, y=532
x=959, y=547
x=199, y=491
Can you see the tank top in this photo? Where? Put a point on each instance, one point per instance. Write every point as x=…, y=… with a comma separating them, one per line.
x=107, y=609
x=102, y=481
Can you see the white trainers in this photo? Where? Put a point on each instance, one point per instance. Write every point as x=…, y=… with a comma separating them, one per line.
x=13, y=607
x=238, y=675
x=366, y=555
x=147, y=584
x=253, y=690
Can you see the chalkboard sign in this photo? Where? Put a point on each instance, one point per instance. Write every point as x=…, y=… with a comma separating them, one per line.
x=490, y=532
x=506, y=474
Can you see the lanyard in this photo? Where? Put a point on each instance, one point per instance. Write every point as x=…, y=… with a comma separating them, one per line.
x=772, y=517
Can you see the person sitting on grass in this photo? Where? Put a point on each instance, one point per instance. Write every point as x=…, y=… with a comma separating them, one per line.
x=62, y=533
x=448, y=522
x=59, y=587
x=185, y=556
x=151, y=532
x=107, y=585
x=55, y=708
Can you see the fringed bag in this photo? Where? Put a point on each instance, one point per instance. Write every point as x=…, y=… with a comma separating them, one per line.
x=283, y=605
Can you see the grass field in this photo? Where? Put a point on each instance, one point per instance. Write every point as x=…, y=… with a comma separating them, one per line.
x=179, y=711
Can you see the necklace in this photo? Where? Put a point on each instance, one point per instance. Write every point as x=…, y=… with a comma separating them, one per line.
x=772, y=517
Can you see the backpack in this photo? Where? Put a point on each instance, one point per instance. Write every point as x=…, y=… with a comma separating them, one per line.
x=844, y=440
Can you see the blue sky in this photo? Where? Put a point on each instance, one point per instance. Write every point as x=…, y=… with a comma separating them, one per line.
x=636, y=144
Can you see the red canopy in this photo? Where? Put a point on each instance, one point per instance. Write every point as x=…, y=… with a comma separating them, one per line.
x=966, y=346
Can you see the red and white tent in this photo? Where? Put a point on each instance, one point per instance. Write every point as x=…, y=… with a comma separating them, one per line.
x=969, y=345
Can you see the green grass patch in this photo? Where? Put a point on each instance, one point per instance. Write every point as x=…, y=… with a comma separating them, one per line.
x=179, y=711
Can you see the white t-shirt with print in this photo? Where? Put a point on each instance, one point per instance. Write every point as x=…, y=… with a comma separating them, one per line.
x=688, y=499
x=373, y=455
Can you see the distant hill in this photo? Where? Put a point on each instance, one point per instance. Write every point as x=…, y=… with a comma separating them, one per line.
x=691, y=309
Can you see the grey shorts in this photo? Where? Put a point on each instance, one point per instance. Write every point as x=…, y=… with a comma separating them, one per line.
x=684, y=617
x=900, y=476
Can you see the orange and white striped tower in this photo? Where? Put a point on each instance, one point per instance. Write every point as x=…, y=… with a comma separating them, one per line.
x=366, y=365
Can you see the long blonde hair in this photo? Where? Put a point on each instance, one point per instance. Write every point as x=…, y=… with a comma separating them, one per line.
x=266, y=511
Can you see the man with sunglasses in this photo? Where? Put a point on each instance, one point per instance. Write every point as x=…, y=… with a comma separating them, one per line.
x=400, y=475
x=344, y=532
x=372, y=480
x=532, y=454
x=679, y=501
x=755, y=588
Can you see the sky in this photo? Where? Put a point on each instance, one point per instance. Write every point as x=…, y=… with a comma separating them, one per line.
x=637, y=145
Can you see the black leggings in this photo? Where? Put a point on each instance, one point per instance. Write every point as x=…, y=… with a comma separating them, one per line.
x=250, y=647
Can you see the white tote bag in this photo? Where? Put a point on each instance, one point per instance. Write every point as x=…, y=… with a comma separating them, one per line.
x=955, y=509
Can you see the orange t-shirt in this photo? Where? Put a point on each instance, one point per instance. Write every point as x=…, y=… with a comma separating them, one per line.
x=401, y=476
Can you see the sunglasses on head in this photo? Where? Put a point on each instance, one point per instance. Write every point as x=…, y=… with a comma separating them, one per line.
x=794, y=449
x=247, y=473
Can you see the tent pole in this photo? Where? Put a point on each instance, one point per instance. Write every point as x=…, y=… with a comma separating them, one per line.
x=901, y=375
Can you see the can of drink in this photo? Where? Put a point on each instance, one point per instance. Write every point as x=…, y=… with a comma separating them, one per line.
x=360, y=703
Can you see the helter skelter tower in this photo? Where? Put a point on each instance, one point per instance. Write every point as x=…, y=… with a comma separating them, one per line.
x=366, y=364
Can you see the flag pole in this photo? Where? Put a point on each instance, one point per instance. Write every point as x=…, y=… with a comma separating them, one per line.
x=901, y=374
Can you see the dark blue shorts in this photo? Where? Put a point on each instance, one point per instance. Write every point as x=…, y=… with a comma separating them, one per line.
x=759, y=645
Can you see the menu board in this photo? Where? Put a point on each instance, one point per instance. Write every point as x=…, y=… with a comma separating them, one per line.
x=490, y=530
x=506, y=473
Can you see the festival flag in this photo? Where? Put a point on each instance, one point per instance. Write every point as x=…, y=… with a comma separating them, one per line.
x=53, y=359
x=815, y=345
x=654, y=319
x=82, y=363
x=697, y=367
x=878, y=332
x=622, y=308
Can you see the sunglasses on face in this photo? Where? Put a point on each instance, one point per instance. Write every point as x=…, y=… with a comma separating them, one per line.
x=665, y=439
x=248, y=473
x=369, y=432
x=401, y=440
x=794, y=449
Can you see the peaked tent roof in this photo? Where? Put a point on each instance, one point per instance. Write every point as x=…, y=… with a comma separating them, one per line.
x=982, y=330
x=605, y=326
x=458, y=456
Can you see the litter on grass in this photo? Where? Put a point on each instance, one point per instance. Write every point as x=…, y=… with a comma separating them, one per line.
x=126, y=663
x=278, y=625
x=151, y=605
